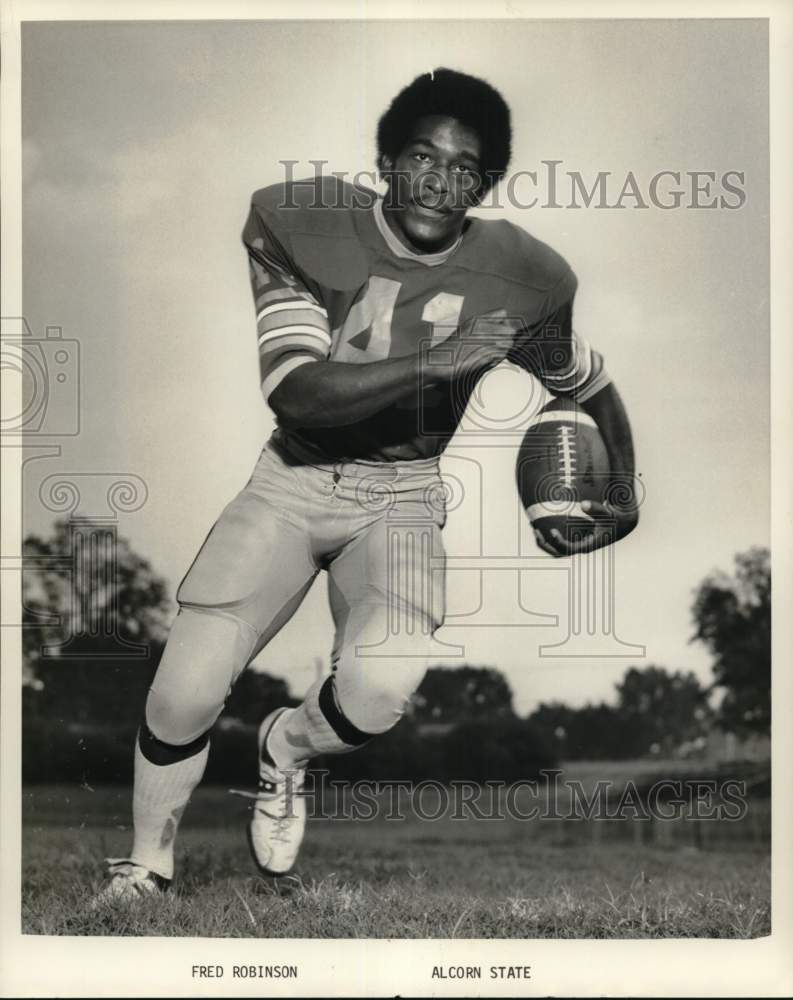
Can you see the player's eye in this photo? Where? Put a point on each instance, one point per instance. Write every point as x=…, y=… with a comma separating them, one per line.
x=421, y=157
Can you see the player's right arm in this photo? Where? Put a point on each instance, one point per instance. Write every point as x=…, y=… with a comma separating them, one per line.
x=335, y=394
x=303, y=387
x=291, y=322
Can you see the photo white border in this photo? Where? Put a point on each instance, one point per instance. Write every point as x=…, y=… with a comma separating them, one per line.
x=88, y=967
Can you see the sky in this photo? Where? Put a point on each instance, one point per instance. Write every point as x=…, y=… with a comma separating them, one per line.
x=142, y=144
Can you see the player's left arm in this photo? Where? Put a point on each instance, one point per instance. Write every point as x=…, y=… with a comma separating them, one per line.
x=569, y=367
x=619, y=515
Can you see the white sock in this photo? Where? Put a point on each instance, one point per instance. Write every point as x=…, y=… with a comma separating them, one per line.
x=161, y=793
x=303, y=732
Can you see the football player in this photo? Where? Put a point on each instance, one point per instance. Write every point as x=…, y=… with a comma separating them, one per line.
x=375, y=318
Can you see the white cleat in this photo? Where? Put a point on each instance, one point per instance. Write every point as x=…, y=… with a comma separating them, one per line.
x=129, y=883
x=276, y=829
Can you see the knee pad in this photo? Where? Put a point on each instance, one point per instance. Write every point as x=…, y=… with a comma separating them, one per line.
x=158, y=752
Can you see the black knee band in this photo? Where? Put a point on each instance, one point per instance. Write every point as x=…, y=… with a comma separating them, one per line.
x=157, y=752
x=338, y=722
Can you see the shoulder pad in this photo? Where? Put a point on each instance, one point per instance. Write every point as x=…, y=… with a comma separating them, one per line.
x=516, y=254
x=321, y=205
x=313, y=219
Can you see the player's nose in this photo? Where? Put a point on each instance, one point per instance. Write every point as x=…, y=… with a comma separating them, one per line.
x=436, y=180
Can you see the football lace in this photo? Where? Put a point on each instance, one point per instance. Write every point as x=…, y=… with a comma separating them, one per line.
x=567, y=453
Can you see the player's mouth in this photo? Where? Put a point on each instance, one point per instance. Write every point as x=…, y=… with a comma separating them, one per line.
x=428, y=212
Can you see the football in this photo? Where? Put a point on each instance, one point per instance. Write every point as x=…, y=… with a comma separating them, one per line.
x=562, y=461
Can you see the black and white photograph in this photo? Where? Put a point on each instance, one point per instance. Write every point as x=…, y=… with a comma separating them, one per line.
x=394, y=431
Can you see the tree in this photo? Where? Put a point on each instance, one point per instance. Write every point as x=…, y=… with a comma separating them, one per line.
x=451, y=696
x=656, y=711
x=507, y=749
x=591, y=732
x=86, y=591
x=659, y=710
x=95, y=619
x=732, y=617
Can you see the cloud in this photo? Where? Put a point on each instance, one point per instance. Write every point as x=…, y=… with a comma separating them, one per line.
x=86, y=184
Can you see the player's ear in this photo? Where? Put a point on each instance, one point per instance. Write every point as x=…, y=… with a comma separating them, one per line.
x=385, y=165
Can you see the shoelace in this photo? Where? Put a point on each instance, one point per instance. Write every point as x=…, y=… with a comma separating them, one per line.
x=268, y=791
x=282, y=829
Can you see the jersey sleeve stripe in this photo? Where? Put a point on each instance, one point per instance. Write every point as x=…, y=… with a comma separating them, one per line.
x=276, y=373
x=584, y=381
x=296, y=303
x=276, y=294
x=294, y=319
x=573, y=380
x=600, y=381
x=304, y=333
x=577, y=372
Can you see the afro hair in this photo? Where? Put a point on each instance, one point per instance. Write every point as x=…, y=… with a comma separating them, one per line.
x=471, y=101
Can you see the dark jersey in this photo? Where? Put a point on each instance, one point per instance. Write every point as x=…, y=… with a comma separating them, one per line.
x=331, y=282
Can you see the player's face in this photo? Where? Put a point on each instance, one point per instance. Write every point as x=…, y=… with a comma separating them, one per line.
x=434, y=180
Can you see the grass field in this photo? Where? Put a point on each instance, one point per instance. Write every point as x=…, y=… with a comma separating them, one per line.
x=413, y=879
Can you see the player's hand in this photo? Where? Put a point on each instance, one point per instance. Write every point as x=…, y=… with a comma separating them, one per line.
x=611, y=523
x=478, y=345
